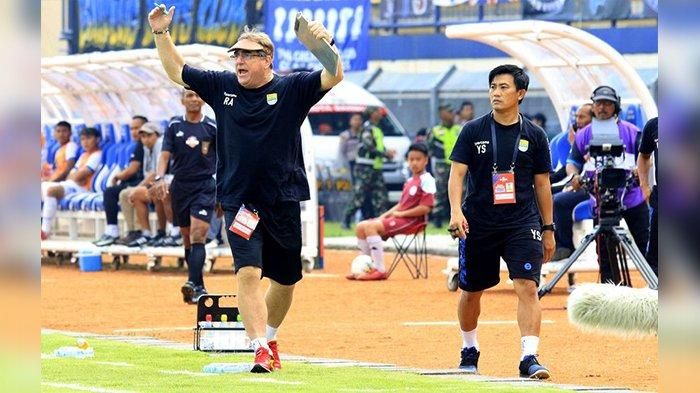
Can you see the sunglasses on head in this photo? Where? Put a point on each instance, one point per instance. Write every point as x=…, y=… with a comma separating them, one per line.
x=247, y=54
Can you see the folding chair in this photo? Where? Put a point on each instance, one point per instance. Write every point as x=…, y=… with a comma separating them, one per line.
x=412, y=250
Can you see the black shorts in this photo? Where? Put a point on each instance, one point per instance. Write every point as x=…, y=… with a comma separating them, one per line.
x=275, y=245
x=480, y=256
x=192, y=199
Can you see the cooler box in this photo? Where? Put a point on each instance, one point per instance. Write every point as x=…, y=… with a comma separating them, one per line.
x=90, y=260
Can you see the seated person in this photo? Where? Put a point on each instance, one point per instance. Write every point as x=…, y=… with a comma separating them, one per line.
x=417, y=199
x=79, y=179
x=125, y=179
x=64, y=158
x=138, y=199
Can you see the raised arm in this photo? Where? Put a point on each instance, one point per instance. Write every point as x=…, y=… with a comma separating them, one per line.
x=172, y=61
x=327, y=79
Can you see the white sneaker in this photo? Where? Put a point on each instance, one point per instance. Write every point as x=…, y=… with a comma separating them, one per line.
x=212, y=244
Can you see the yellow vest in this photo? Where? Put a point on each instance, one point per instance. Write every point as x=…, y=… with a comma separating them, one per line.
x=445, y=138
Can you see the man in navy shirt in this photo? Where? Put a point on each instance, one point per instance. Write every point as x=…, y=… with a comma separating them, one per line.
x=649, y=145
x=508, y=162
x=261, y=176
x=191, y=142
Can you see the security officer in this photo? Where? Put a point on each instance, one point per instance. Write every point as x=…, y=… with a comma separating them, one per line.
x=369, y=180
x=441, y=141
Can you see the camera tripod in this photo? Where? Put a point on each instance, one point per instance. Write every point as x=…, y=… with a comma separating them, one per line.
x=609, y=229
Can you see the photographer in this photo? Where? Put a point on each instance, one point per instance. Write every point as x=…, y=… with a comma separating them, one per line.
x=635, y=211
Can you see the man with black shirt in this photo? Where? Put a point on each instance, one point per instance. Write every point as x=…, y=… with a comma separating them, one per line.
x=191, y=141
x=508, y=161
x=260, y=175
x=128, y=177
x=649, y=145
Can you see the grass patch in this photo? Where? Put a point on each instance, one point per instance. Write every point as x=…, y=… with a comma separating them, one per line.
x=127, y=367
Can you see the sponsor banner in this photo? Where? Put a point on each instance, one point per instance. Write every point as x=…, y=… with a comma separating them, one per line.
x=116, y=25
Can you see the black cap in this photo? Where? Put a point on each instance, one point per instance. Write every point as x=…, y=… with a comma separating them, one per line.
x=604, y=93
x=446, y=107
x=90, y=131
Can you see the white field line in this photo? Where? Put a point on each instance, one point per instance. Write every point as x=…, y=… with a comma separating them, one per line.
x=155, y=329
x=185, y=372
x=271, y=380
x=83, y=388
x=455, y=323
x=116, y=364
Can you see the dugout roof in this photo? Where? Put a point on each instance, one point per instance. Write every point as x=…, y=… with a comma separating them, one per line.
x=569, y=62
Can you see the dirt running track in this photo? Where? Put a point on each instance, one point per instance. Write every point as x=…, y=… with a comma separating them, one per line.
x=334, y=317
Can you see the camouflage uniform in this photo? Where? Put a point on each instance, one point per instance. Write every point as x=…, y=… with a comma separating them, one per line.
x=441, y=141
x=368, y=177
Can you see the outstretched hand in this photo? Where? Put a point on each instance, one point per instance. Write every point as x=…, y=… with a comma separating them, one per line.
x=159, y=18
x=319, y=32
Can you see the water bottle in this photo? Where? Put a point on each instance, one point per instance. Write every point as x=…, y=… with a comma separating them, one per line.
x=221, y=368
x=74, y=352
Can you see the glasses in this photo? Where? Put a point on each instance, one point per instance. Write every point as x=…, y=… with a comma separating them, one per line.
x=247, y=54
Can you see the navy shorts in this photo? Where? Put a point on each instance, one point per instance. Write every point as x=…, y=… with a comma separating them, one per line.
x=192, y=199
x=275, y=245
x=480, y=256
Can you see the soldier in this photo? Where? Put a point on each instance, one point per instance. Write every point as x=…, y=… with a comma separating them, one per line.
x=369, y=181
x=441, y=141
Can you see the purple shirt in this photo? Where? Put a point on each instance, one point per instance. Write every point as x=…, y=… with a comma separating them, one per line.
x=628, y=133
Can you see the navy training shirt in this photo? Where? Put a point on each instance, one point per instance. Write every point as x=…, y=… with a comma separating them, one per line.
x=259, y=138
x=192, y=147
x=474, y=148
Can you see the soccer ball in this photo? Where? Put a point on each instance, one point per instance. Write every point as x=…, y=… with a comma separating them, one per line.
x=361, y=264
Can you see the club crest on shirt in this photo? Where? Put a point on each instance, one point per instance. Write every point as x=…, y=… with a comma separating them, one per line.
x=412, y=191
x=523, y=146
x=180, y=134
x=205, y=147
x=272, y=99
x=192, y=142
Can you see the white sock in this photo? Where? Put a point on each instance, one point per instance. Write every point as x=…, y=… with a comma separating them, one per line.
x=363, y=245
x=469, y=339
x=260, y=342
x=270, y=332
x=146, y=232
x=112, y=230
x=376, y=251
x=175, y=231
x=529, y=345
x=48, y=213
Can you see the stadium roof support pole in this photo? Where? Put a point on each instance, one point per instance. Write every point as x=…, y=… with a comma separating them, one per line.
x=569, y=62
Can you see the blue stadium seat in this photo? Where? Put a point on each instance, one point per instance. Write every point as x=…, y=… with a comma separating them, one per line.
x=583, y=211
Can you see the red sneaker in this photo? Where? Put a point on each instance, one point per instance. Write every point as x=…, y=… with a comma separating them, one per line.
x=276, y=364
x=263, y=361
x=372, y=275
x=351, y=277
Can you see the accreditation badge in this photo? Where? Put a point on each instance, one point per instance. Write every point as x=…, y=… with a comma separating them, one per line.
x=503, y=188
x=245, y=222
x=205, y=147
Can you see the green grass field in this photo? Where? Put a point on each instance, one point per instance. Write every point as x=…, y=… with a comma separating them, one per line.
x=120, y=367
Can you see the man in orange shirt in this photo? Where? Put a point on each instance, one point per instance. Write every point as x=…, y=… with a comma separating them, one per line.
x=79, y=178
x=65, y=156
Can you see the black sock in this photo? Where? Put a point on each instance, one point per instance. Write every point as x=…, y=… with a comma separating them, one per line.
x=187, y=260
x=196, y=263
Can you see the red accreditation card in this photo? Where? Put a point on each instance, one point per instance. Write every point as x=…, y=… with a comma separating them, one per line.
x=503, y=188
x=245, y=222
